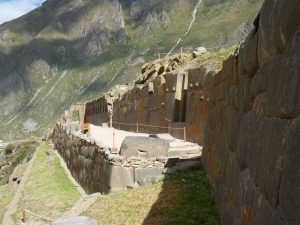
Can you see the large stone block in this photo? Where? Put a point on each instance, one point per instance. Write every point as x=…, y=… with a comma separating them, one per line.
x=266, y=157
x=244, y=98
x=268, y=38
x=120, y=178
x=245, y=139
x=250, y=57
x=145, y=147
x=229, y=202
x=289, y=197
x=146, y=175
x=287, y=15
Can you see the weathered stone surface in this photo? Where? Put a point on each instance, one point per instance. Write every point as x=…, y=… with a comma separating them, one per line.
x=289, y=197
x=284, y=91
x=145, y=147
x=120, y=178
x=146, y=175
x=251, y=144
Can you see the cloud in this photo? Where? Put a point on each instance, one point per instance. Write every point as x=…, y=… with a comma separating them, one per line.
x=11, y=9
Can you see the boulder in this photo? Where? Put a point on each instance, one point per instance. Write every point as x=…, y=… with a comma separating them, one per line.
x=144, y=147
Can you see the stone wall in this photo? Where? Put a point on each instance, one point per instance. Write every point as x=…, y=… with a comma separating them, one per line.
x=252, y=142
x=139, y=161
x=90, y=163
x=99, y=110
x=169, y=101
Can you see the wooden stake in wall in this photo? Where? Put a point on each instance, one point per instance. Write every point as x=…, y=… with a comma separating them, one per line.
x=184, y=134
x=137, y=127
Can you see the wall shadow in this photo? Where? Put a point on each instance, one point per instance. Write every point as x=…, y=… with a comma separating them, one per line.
x=185, y=198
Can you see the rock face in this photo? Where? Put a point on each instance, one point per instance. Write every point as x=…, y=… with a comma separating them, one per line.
x=252, y=140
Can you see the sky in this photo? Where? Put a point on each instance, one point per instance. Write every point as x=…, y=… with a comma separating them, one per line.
x=11, y=9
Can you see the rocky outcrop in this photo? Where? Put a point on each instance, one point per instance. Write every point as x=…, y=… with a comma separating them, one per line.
x=252, y=143
x=162, y=66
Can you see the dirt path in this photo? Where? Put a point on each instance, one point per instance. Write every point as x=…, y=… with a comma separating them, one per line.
x=13, y=205
x=83, y=204
x=189, y=28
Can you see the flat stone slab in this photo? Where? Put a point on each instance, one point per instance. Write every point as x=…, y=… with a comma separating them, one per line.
x=81, y=220
x=145, y=147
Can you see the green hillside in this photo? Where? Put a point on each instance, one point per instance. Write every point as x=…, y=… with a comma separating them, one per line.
x=69, y=51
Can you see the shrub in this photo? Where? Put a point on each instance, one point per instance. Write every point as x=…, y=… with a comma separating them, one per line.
x=9, y=149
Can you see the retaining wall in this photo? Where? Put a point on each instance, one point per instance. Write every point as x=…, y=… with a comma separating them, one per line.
x=252, y=142
x=98, y=170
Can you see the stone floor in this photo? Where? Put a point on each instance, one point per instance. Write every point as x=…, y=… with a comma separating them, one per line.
x=105, y=136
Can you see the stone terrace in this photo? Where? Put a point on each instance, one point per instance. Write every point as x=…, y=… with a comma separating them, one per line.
x=135, y=158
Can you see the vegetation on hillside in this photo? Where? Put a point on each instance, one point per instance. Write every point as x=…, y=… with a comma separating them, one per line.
x=54, y=82
x=15, y=154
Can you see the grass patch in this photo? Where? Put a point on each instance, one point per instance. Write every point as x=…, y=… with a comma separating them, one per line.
x=7, y=190
x=48, y=190
x=6, y=195
x=180, y=199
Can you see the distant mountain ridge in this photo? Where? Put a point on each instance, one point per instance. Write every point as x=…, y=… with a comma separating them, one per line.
x=71, y=50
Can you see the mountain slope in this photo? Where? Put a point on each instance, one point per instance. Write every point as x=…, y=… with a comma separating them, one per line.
x=71, y=50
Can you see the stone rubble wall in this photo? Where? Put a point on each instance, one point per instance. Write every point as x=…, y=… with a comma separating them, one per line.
x=97, y=170
x=252, y=138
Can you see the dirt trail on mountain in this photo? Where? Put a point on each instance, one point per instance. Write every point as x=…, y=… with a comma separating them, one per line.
x=13, y=205
x=189, y=28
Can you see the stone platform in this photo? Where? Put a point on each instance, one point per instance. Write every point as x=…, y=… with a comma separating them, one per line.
x=100, y=164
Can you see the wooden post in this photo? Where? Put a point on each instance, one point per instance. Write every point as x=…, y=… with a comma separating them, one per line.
x=181, y=51
x=137, y=127
x=24, y=216
x=114, y=141
x=184, y=134
x=158, y=55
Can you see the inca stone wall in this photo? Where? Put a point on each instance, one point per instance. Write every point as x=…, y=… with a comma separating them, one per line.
x=171, y=100
x=90, y=163
x=252, y=141
x=140, y=160
x=99, y=111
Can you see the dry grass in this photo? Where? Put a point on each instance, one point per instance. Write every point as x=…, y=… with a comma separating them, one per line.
x=181, y=199
x=48, y=190
x=6, y=194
